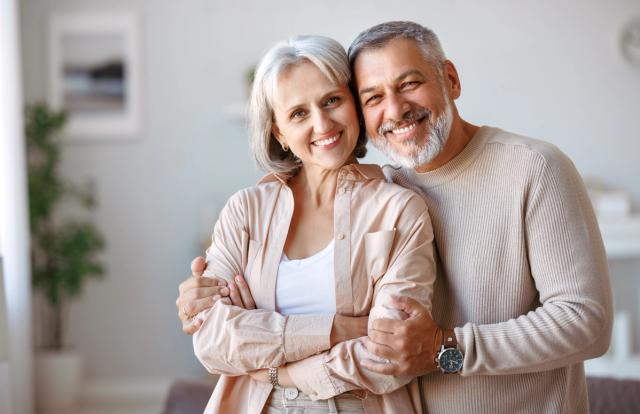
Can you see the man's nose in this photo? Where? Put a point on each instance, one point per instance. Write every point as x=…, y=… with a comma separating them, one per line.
x=396, y=107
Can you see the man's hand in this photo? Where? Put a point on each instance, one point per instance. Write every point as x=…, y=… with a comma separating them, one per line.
x=411, y=345
x=198, y=293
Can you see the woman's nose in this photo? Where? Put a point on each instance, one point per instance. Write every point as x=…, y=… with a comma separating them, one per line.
x=322, y=122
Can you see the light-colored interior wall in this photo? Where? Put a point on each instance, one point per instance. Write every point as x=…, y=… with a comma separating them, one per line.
x=548, y=69
x=4, y=338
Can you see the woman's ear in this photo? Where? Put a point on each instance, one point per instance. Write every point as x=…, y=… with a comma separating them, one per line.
x=276, y=132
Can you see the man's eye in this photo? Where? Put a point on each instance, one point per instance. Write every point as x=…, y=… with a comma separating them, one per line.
x=372, y=100
x=409, y=84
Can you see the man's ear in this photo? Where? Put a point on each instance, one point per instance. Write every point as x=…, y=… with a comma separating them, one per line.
x=451, y=78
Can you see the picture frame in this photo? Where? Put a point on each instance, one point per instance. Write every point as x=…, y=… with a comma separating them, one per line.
x=95, y=73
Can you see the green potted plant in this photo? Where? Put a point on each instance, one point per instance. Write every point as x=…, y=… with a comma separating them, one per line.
x=63, y=257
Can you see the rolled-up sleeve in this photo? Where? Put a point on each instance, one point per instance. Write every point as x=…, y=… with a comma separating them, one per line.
x=234, y=341
x=411, y=272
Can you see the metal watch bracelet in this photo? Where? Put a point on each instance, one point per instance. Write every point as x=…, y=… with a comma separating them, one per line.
x=273, y=376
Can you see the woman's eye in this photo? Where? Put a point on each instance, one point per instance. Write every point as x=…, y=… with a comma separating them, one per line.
x=332, y=101
x=297, y=114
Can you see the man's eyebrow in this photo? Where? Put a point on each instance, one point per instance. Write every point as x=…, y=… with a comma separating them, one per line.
x=367, y=90
x=397, y=79
x=409, y=73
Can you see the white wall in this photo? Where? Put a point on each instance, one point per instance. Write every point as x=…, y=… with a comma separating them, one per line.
x=16, y=393
x=543, y=68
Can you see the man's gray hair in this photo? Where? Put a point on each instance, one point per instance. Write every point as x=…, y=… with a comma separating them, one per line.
x=379, y=35
x=329, y=57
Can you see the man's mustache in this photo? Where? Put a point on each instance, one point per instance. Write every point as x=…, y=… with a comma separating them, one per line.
x=409, y=116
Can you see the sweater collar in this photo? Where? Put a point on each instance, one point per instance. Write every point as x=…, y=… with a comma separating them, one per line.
x=458, y=164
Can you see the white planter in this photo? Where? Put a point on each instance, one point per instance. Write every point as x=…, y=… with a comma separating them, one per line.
x=58, y=376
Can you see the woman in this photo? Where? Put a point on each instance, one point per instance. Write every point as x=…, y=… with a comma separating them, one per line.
x=319, y=236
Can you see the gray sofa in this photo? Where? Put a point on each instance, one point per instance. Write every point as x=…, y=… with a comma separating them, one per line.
x=606, y=396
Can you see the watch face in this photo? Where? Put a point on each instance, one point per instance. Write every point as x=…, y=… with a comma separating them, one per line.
x=450, y=360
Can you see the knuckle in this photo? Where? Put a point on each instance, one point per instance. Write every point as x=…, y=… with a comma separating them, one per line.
x=188, y=308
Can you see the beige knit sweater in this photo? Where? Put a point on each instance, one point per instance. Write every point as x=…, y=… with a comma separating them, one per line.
x=522, y=276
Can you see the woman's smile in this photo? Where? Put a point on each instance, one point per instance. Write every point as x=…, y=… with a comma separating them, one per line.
x=328, y=143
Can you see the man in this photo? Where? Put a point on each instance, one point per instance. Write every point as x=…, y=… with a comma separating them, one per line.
x=523, y=294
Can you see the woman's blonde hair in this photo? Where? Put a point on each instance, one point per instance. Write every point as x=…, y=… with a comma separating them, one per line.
x=329, y=57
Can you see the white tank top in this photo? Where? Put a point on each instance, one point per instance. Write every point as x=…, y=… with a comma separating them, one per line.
x=307, y=286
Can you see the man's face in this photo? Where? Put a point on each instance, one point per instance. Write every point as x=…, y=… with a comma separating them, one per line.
x=406, y=106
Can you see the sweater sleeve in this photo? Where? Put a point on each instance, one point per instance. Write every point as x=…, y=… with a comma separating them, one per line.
x=568, y=265
x=410, y=272
x=234, y=341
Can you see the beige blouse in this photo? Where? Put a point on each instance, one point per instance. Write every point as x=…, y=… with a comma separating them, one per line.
x=383, y=246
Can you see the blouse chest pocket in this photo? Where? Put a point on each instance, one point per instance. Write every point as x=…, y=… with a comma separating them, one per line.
x=250, y=250
x=377, y=249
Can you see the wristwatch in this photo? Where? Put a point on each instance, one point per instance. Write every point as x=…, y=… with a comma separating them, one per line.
x=450, y=358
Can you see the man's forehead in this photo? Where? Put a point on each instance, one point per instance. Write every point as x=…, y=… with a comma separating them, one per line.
x=389, y=62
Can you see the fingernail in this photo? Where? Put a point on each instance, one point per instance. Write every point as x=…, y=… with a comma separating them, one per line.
x=238, y=279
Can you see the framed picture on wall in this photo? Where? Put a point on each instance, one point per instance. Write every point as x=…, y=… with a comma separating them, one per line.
x=94, y=73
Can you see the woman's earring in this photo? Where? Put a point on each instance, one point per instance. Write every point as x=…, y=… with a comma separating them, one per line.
x=285, y=147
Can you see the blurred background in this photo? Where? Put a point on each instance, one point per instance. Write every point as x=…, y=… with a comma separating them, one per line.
x=155, y=92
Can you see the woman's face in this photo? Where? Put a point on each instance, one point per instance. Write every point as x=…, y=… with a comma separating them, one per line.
x=316, y=119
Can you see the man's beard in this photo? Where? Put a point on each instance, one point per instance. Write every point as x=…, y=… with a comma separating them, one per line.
x=417, y=154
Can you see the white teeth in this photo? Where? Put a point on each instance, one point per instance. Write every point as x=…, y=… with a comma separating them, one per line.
x=404, y=129
x=323, y=142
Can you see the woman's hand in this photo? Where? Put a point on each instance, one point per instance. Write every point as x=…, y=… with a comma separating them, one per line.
x=240, y=294
x=198, y=293
x=262, y=375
